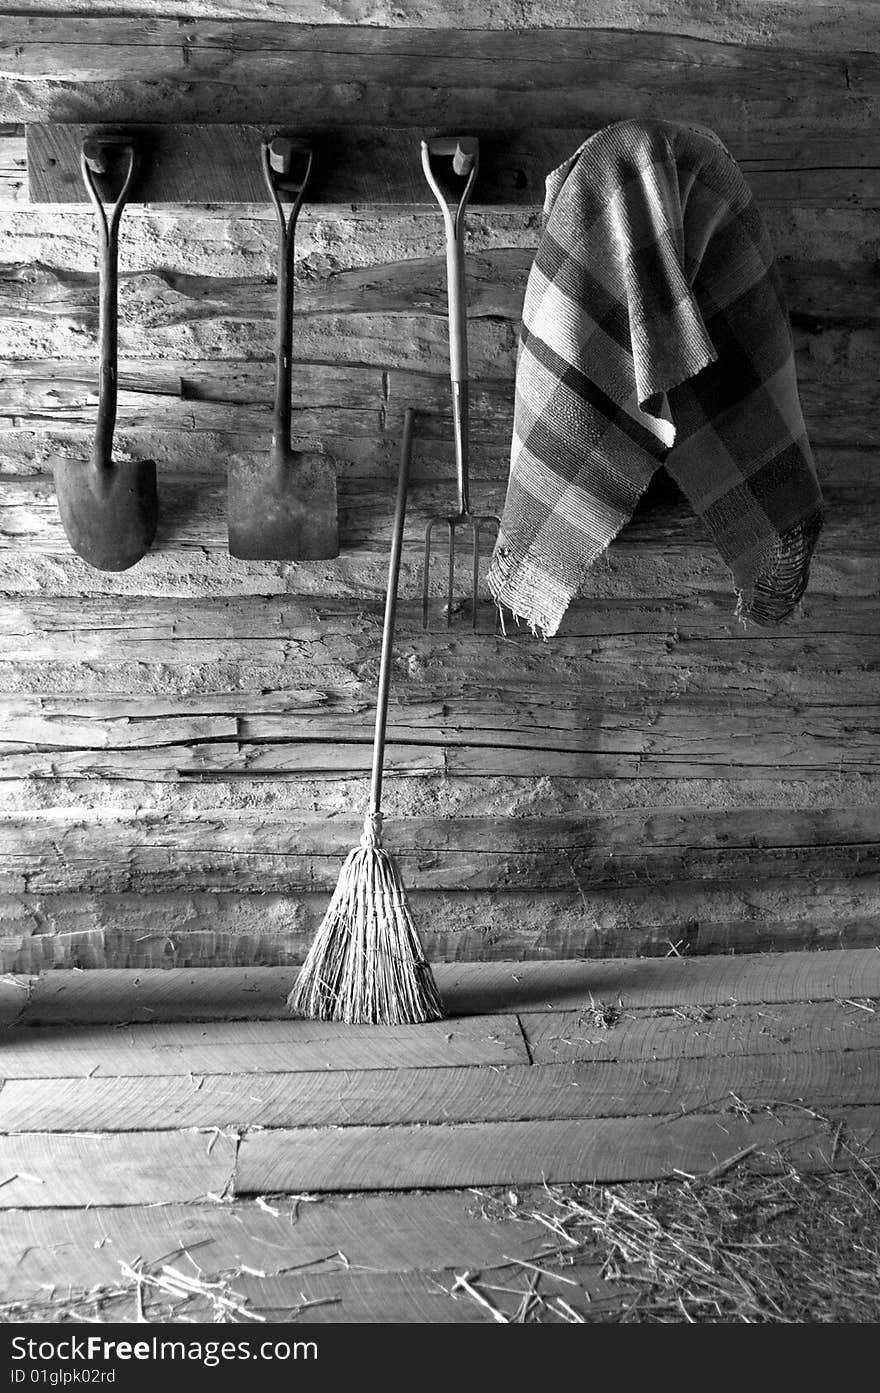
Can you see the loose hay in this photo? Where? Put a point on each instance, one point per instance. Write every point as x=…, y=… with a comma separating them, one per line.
x=733, y=1247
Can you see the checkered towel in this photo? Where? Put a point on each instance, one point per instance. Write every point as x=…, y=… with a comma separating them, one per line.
x=654, y=331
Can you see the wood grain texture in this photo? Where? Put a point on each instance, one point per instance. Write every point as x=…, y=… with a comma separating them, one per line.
x=198, y=1051
x=783, y=1030
x=200, y=852
x=404, y=77
x=597, y=1150
x=476, y=1093
x=40, y=1171
x=166, y=930
x=195, y=695
x=392, y=1233
x=468, y=989
x=821, y=25
x=192, y=164
x=417, y=1297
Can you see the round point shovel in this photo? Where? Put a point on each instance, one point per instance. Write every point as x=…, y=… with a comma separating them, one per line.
x=283, y=508
x=108, y=510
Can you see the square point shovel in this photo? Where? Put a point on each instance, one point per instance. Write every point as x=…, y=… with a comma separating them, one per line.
x=283, y=508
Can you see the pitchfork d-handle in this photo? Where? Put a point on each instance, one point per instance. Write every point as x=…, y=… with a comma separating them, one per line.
x=279, y=156
x=464, y=153
x=95, y=160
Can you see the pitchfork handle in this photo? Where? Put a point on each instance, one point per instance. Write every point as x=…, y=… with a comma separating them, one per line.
x=465, y=159
x=390, y=613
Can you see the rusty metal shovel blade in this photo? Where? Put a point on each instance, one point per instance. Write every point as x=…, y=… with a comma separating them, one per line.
x=286, y=513
x=284, y=507
x=109, y=515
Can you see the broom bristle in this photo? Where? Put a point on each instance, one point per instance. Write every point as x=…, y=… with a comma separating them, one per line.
x=366, y=965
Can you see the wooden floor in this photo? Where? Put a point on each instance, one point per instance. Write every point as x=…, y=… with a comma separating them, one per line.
x=182, y=1118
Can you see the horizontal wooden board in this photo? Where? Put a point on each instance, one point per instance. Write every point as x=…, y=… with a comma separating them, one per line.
x=404, y=77
x=467, y=928
x=165, y=930
x=389, y=319
x=426, y=1297
x=596, y=1150
x=42, y=1171
x=468, y=989
x=822, y=25
x=202, y=852
x=670, y=982
x=384, y=1233
x=191, y=164
x=384, y=1097
x=784, y=1030
x=199, y=1051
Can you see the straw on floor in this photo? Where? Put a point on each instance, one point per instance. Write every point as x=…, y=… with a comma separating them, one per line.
x=366, y=963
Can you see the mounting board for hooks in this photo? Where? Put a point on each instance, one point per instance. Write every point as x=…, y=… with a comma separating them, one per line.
x=221, y=164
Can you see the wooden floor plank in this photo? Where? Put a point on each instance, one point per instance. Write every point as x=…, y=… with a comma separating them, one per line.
x=241, y=1047
x=420, y=1296
x=561, y=1037
x=81, y=1248
x=388, y=1097
x=116, y=994
x=566, y=985
x=423, y=1297
x=39, y=1171
x=498, y=1153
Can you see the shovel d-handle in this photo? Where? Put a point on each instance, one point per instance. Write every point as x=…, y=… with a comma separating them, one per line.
x=287, y=165
x=464, y=153
x=96, y=159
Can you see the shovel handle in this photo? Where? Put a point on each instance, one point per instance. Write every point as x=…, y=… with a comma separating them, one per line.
x=279, y=156
x=95, y=161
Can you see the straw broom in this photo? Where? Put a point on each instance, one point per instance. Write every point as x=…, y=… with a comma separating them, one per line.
x=366, y=963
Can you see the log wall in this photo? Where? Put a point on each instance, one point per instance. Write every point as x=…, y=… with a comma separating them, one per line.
x=184, y=746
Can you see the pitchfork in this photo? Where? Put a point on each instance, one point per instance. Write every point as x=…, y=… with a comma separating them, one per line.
x=464, y=152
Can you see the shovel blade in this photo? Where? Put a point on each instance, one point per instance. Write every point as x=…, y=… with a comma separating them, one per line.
x=282, y=515
x=109, y=514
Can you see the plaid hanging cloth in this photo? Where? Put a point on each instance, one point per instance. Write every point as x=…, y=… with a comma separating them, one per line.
x=654, y=332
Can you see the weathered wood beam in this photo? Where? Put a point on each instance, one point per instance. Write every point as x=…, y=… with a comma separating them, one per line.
x=819, y=25
x=49, y=854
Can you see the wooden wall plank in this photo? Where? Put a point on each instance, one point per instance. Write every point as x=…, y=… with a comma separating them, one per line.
x=199, y=164
x=198, y=930
x=369, y=75
x=819, y=25
x=264, y=851
x=626, y=706
x=50, y=312
x=598, y=1150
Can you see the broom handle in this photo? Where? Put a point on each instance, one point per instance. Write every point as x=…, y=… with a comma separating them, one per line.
x=390, y=614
